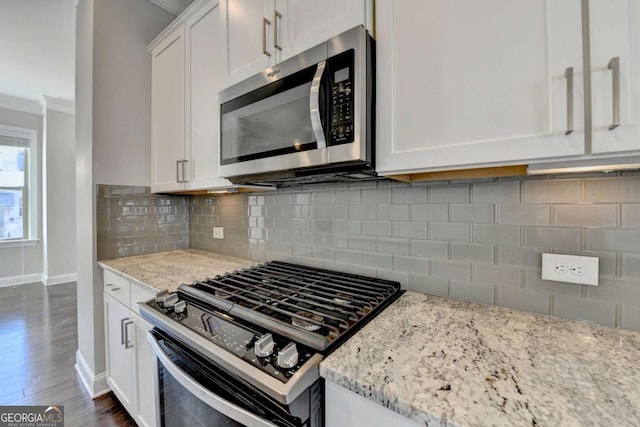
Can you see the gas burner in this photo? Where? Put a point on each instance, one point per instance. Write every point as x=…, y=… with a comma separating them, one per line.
x=222, y=294
x=307, y=326
x=342, y=299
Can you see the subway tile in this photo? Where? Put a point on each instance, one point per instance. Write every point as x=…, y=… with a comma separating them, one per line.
x=553, y=238
x=362, y=184
x=362, y=243
x=449, y=193
x=348, y=256
x=552, y=191
x=302, y=250
x=324, y=254
x=585, y=215
x=519, y=256
x=278, y=248
x=301, y=198
x=615, y=190
x=615, y=290
x=362, y=212
x=535, y=302
x=497, y=234
x=377, y=261
x=533, y=282
x=449, y=232
x=429, y=249
x=394, y=246
x=336, y=241
x=430, y=212
x=601, y=312
x=429, y=285
x=630, y=266
x=393, y=212
x=376, y=228
x=411, y=194
x=523, y=214
x=472, y=213
x=472, y=252
x=413, y=230
x=323, y=198
x=630, y=215
x=348, y=226
x=630, y=317
x=282, y=199
x=503, y=276
x=348, y=197
x=459, y=271
x=394, y=276
x=409, y=265
x=613, y=240
x=376, y=196
x=498, y=192
x=336, y=212
x=469, y=292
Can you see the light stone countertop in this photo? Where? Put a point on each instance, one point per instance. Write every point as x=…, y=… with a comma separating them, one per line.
x=168, y=270
x=446, y=362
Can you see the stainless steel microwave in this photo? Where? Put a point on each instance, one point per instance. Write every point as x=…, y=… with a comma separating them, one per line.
x=306, y=119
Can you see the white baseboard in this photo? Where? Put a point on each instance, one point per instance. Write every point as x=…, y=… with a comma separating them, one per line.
x=96, y=385
x=57, y=280
x=20, y=280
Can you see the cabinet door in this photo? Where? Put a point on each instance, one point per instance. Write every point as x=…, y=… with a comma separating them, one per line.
x=120, y=351
x=463, y=83
x=145, y=375
x=615, y=33
x=302, y=24
x=167, y=113
x=203, y=82
x=243, y=26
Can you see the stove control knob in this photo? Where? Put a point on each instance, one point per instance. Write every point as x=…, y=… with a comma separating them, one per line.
x=180, y=307
x=170, y=300
x=161, y=295
x=264, y=346
x=288, y=356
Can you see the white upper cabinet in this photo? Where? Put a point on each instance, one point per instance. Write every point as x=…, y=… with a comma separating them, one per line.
x=260, y=34
x=462, y=83
x=202, y=85
x=615, y=74
x=167, y=112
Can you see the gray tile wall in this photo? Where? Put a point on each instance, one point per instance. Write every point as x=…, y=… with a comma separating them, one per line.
x=132, y=221
x=480, y=241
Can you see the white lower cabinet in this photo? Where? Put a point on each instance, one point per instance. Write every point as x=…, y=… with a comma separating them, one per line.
x=130, y=360
x=345, y=408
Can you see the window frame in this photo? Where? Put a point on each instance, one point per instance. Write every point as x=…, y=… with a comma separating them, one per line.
x=30, y=198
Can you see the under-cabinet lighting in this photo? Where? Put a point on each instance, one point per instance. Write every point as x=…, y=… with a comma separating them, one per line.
x=588, y=165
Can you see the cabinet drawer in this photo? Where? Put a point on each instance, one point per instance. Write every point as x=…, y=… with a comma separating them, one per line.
x=117, y=286
x=140, y=293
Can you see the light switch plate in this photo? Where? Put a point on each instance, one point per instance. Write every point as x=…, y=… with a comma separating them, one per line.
x=218, y=232
x=570, y=269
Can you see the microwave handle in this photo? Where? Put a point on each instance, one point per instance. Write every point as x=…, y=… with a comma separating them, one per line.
x=314, y=106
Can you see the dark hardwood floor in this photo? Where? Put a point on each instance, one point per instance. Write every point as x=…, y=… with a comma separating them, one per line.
x=38, y=342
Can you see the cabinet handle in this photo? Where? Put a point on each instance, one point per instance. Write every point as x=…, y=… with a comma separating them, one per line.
x=568, y=74
x=122, y=330
x=184, y=173
x=178, y=170
x=109, y=284
x=276, y=15
x=126, y=334
x=115, y=289
x=614, y=66
x=265, y=22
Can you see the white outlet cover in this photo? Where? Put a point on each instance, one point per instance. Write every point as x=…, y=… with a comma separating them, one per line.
x=587, y=267
x=218, y=232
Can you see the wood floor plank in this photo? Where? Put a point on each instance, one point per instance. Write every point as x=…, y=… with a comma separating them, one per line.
x=38, y=339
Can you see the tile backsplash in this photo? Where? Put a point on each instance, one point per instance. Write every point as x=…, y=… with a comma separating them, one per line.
x=480, y=241
x=132, y=221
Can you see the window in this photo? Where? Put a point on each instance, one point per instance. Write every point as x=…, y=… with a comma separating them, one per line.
x=17, y=184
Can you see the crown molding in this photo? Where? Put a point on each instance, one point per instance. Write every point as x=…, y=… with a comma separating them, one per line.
x=174, y=7
x=57, y=104
x=20, y=104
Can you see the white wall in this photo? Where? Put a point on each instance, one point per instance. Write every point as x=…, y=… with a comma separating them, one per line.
x=22, y=264
x=113, y=91
x=59, y=228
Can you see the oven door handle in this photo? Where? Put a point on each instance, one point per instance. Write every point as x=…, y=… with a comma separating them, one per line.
x=314, y=106
x=229, y=409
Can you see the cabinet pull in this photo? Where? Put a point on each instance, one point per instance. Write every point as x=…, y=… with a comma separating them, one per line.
x=184, y=173
x=115, y=289
x=265, y=22
x=126, y=334
x=614, y=66
x=276, y=15
x=178, y=170
x=568, y=74
x=122, y=328
x=109, y=284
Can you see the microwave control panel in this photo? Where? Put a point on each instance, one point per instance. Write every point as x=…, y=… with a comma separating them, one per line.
x=341, y=94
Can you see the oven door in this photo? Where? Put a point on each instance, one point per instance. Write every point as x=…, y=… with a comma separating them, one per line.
x=193, y=391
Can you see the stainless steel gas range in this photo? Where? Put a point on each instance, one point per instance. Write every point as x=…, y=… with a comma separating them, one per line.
x=244, y=348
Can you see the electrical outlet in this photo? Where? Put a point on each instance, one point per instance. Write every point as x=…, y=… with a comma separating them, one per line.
x=570, y=268
x=218, y=232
